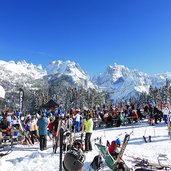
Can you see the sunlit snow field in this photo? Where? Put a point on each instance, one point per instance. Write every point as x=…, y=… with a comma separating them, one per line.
x=30, y=158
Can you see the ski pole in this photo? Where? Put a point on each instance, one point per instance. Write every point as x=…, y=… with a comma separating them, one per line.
x=145, y=131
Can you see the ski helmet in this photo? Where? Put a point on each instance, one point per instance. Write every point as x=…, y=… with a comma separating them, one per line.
x=118, y=141
x=73, y=160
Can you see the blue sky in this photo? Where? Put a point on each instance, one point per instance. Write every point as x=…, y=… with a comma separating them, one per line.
x=93, y=33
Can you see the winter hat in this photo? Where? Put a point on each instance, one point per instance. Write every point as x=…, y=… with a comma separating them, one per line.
x=118, y=141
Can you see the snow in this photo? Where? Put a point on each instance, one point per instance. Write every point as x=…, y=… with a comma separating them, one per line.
x=22, y=67
x=30, y=158
x=142, y=89
x=2, y=92
x=73, y=70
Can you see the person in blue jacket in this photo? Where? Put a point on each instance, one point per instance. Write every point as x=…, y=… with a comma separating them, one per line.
x=42, y=128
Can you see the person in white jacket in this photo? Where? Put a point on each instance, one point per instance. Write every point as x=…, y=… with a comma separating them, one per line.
x=78, y=121
x=166, y=112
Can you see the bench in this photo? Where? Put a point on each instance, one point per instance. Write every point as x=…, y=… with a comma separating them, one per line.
x=10, y=139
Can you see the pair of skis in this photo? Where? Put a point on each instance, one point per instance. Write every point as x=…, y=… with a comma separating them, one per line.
x=25, y=133
x=147, y=140
x=149, y=137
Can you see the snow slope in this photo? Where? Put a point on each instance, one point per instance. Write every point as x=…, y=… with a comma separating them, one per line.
x=30, y=158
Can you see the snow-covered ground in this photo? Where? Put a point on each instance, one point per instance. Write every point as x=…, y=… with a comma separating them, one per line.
x=30, y=158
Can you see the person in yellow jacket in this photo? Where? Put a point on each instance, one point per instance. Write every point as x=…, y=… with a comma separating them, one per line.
x=88, y=127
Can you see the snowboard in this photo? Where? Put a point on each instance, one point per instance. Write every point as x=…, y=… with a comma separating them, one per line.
x=56, y=141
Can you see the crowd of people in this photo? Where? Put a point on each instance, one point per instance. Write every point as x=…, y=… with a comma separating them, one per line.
x=45, y=125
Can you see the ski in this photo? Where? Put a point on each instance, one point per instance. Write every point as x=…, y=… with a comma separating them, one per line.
x=119, y=160
x=61, y=134
x=70, y=136
x=24, y=133
x=169, y=126
x=145, y=140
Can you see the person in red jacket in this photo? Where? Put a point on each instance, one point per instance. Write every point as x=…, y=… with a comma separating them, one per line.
x=135, y=116
x=50, y=127
x=113, y=147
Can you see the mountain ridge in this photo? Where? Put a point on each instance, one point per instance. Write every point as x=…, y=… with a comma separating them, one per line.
x=118, y=80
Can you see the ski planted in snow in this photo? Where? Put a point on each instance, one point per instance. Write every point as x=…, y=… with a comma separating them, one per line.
x=25, y=133
x=119, y=160
x=145, y=139
x=169, y=126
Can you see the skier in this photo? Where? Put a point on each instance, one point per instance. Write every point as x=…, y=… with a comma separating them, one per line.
x=78, y=120
x=88, y=123
x=165, y=114
x=55, y=125
x=42, y=127
x=113, y=148
x=50, y=127
x=33, y=129
x=134, y=115
x=4, y=124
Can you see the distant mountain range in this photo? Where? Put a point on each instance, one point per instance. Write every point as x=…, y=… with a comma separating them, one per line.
x=118, y=80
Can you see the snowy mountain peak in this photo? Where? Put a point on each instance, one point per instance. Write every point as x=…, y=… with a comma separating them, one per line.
x=72, y=70
x=118, y=80
x=21, y=68
x=65, y=67
x=122, y=82
x=117, y=71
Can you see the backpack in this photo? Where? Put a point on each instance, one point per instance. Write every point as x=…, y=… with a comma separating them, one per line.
x=97, y=162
